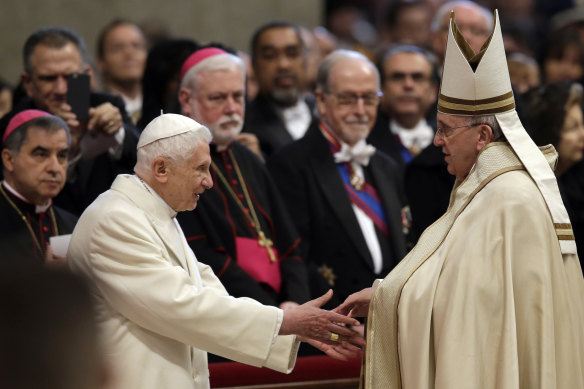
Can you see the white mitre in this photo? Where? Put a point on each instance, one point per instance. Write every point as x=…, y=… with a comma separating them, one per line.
x=165, y=126
x=475, y=84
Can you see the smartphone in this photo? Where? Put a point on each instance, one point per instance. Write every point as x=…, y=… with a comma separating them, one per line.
x=78, y=95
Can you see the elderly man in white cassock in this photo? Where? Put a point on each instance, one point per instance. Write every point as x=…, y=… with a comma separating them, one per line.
x=158, y=308
x=492, y=296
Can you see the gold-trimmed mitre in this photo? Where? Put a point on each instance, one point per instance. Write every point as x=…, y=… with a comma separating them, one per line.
x=476, y=84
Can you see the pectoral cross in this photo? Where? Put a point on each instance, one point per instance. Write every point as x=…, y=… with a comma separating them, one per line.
x=267, y=243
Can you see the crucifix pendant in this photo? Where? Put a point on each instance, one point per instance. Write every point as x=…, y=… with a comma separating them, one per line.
x=267, y=243
x=356, y=182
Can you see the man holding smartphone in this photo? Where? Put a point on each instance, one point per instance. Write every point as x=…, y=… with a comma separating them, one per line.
x=103, y=145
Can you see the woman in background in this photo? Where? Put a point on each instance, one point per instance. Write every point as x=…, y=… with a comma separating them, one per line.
x=553, y=115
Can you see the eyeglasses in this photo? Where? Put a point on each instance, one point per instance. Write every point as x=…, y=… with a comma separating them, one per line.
x=349, y=99
x=446, y=132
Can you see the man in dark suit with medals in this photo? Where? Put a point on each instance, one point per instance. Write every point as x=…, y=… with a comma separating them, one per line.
x=346, y=198
x=34, y=160
x=241, y=227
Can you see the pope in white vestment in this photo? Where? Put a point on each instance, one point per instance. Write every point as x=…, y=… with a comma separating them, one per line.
x=492, y=295
x=159, y=309
x=130, y=246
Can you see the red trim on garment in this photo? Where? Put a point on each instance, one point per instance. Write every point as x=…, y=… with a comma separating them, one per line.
x=227, y=262
x=196, y=237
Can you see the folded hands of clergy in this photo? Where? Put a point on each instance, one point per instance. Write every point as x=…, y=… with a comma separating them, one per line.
x=328, y=331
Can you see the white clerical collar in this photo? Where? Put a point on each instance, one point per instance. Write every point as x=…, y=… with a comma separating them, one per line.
x=420, y=136
x=171, y=212
x=37, y=208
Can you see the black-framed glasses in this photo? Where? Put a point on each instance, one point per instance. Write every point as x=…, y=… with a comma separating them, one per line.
x=349, y=99
x=446, y=132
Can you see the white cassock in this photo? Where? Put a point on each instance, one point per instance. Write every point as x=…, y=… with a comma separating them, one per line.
x=159, y=310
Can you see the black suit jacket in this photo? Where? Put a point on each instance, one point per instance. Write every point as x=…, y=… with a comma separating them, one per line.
x=91, y=176
x=332, y=240
x=262, y=120
x=383, y=139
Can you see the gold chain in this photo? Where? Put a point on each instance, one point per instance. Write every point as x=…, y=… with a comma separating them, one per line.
x=25, y=220
x=262, y=240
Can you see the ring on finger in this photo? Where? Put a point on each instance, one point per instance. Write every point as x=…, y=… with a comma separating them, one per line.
x=110, y=123
x=334, y=337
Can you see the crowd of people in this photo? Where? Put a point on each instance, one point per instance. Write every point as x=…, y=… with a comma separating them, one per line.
x=319, y=163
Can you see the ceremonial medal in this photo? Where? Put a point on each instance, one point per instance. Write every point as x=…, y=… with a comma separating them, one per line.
x=357, y=182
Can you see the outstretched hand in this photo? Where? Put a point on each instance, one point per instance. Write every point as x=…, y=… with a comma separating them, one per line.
x=343, y=350
x=310, y=322
x=357, y=304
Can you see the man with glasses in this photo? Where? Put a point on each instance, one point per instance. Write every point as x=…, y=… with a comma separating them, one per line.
x=405, y=128
x=410, y=87
x=242, y=228
x=344, y=196
x=280, y=113
x=492, y=295
x=104, y=143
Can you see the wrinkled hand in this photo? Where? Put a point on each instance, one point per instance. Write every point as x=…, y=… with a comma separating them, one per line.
x=251, y=142
x=309, y=321
x=357, y=304
x=105, y=118
x=53, y=261
x=342, y=350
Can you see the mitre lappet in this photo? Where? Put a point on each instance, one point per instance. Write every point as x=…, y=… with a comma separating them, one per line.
x=475, y=84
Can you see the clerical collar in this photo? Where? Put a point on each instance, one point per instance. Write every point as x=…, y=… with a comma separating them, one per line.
x=220, y=148
x=37, y=208
x=420, y=136
x=171, y=212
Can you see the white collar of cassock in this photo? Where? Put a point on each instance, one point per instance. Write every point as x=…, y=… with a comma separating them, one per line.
x=420, y=136
x=37, y=208
x=171, y=212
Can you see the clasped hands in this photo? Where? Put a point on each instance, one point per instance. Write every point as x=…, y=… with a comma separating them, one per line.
x=333, y=332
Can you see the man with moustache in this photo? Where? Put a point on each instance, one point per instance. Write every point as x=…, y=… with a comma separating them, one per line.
x=345, y=197
x=280, y=113
x=34, y=160
x=241, y=228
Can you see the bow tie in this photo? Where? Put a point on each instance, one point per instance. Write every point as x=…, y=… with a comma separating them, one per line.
x=359, y=154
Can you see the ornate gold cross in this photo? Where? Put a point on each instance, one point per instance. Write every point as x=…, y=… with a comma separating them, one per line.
x=267, y=243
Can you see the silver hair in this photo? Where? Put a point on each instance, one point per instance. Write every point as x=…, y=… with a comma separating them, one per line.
x=177, y=149
x=491, y=121
x=211, y=64
x=447, y=7
x=322, y=77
